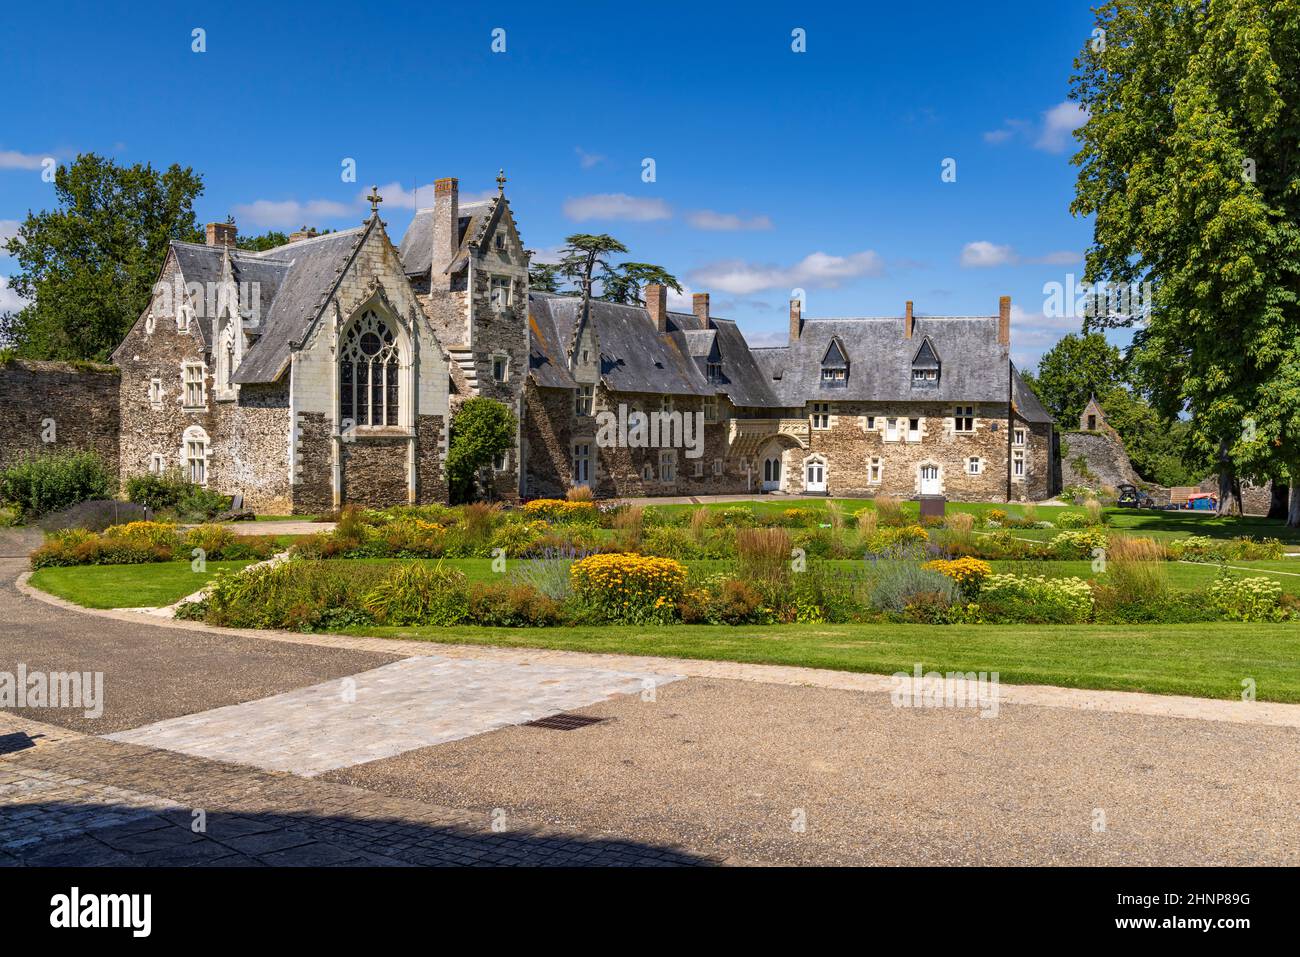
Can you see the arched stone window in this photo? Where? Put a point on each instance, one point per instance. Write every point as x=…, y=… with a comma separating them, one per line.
x=369, y=373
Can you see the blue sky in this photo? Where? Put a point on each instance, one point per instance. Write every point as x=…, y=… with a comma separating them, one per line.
x=774, y=170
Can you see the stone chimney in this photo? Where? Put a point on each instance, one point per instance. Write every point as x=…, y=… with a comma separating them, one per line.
x=656, y=303
x=908, y=322
x=700, y=303
x=446, y=222
x=1004, y=320
x=307, y=232
x=221, y=234
x=796, y=319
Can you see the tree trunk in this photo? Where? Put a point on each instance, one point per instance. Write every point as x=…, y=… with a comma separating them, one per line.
x=1229, y=486
x=1278, y=503
x=1293, y=519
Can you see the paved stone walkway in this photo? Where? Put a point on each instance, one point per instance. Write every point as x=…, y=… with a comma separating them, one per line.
x=376, y=714
x=89, y=802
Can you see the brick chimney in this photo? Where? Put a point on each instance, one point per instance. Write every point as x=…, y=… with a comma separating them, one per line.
x=1004, y=320
x=796, y=319
x=221, y=234
x=700, y=303
x=908, y=322
x=656, y=303
x=446, y=222
x=307, y=232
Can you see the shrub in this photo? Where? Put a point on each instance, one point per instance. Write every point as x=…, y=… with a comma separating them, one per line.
x=968, y=573
x=669, y=541
x=516, y=538
x=1035, y=600
x=896, y=583
x=212, y=539
x=561, y=510
x=1078, y=544
x=1246, y=599
x=296, y=594
x=763, y=553
x=550, y=576
x=1200, y=548
x=419, y=594
x=50, y=483
x=630, y=588
x=724, y=601
x=481, y=430
x=818, y=596
x=797, y=517
x=868, y=521
x=170, y=492
x=889, y=510
x=512, y=605
x=1072, y=520
x=738, y=517
x=580, y=493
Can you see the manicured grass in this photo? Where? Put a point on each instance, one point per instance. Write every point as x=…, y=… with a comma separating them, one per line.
x=127, y=586
x=1204, y=660
x=1208, y=660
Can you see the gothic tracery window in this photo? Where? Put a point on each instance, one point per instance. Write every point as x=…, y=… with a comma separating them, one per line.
x=368, y=373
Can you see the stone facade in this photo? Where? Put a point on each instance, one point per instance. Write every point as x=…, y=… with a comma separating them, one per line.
x=57, y=406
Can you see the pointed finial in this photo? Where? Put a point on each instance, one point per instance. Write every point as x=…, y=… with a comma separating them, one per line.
x=375, y=199
x=501, y=181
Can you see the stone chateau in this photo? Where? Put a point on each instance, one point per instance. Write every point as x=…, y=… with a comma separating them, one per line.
x=325, y=372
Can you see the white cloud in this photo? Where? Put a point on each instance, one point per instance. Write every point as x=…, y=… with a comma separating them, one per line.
x=8, y=230
x=290, y=213
x=1058, y=123
x=587, y=160
x=816, y=269
x=615, y=206
x=397, y=196
x=12, y=159
x=1033, y=333
x=708, y=219
x=1051, y=135
x=10, y=301
x=983, y=254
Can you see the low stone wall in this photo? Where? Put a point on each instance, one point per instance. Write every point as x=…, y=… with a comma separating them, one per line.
x=58, y=406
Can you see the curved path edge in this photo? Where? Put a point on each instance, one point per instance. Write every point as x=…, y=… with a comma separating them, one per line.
x=1045, y=696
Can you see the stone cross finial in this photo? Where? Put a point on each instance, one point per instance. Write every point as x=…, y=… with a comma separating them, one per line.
x=375, y=199
x=501, y=181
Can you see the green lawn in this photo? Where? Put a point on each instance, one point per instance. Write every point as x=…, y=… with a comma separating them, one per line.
x=1207, y=660
x=127, y=586
x=1204, y=660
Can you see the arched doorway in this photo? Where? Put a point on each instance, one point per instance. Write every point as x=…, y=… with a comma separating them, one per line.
x=814, y=478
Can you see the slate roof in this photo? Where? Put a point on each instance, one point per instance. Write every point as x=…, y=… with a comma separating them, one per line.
x=633, y=356
x=313, y=266
x=880, y=360
x=416, y=250
x=1027, y=404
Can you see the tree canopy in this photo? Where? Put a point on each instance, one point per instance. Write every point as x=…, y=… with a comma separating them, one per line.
x=481, y=430
x=1189, y=166
x=88, y=266
x=1073, y=370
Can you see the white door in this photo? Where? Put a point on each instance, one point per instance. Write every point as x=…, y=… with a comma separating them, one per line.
x=929, y=480
x=771, y=473
x=815, y=477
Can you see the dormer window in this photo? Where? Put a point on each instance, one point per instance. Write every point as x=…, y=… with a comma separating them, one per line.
x=926, y=366
x=714, y=370
x=835, y=366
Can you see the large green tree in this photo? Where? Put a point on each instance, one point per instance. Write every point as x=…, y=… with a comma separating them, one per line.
x=1190, y=166
x=624, y=282
x=1073, y=370
x=88, y=266
x=481, y=430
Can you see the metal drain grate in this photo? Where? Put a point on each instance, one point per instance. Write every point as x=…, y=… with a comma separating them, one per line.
x=564, y=722
x=18, y=741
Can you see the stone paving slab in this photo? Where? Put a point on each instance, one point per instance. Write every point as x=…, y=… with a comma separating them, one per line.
x=376, y=714
x=68, y=817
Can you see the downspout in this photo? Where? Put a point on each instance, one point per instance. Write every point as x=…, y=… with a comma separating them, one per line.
x=1011, y=425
